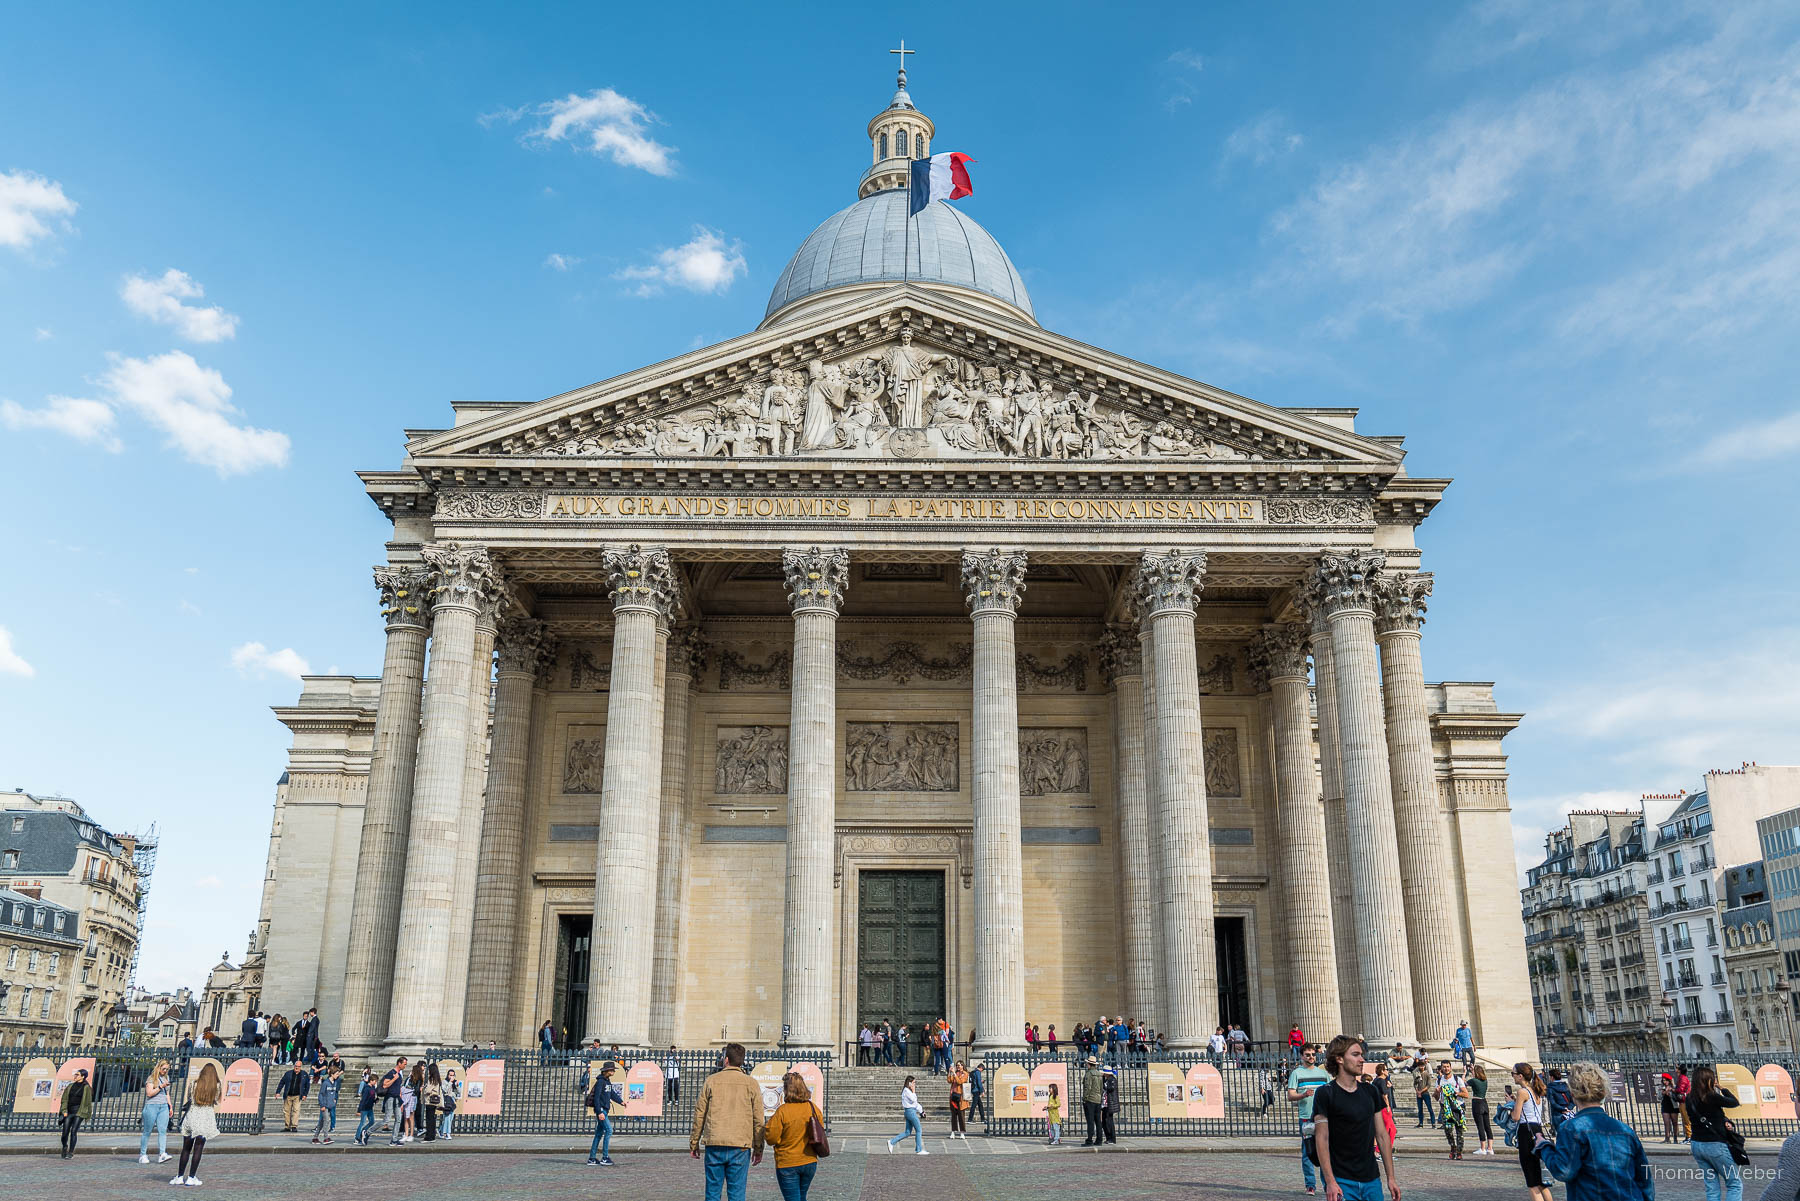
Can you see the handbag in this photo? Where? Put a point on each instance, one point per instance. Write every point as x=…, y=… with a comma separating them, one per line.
x=816, y=1141
x=1734, y=1142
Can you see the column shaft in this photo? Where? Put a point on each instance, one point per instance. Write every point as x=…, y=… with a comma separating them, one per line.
x=685, y=658
x=387, y=813
x=500, y=867
x=416, y=1010
x=1183, y=836
x=1433, y=930
x=815, y=581
x=1308, y=949
x=1337, y=829
x=1131, y=797
x=1159, y=993
x=474, y=795
x=994, y=581
x=624, y=943
x=1381, y=942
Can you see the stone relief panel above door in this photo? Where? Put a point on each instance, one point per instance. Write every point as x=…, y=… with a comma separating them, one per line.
x=892, y=756
x=1053, y=762
x=583, y=761
x=751, y=761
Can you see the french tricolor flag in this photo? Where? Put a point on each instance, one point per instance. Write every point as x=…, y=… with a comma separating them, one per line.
x=940, y=177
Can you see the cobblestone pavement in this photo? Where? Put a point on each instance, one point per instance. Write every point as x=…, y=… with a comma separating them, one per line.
x=945, y=1175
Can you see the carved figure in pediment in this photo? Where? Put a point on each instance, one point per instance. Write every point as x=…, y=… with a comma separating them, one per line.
x=826, y=389
x=779, y=415
x=906, y=370
x=1064, y=432
x=866, y=422
x=1165, y=439
x=732, y=431
x=1026, y=438
x=953, y=417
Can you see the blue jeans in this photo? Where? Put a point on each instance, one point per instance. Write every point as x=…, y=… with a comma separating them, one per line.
x=445, y=1123
x=156, y=1118
x=793, y=1182
x=1715, y=1158
x=913, y=1128
x=727, y=1168
x=1362, y=1190
x=1305, y=1163
x=602, y=1139
x=365, y=1122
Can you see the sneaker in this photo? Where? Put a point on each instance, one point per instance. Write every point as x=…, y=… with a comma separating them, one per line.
x=179, y=1180
x=407, y=1139
x=161, y=1157
x=143, y=1159
x=326, y=1140
x=923, y=1153
x=606, y=1161
x=193, y=1182
x=890, y=1148
x=593, y=1163
x=315, y=1138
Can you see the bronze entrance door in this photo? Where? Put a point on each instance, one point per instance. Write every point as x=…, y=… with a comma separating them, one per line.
x=900, y=950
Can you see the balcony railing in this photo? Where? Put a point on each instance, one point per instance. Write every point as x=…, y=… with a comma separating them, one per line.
x=1723, y=1017
x=1554, y=998
x=1655, y=877
x=1687, y=980
x=1632, y=959
x=1712, y=940
x=1609, y=965
x=1718, y=977
x=1637, y=992
x=1680, y=944
x=1612, y=996
x=1625, y=925
x=1676, y=870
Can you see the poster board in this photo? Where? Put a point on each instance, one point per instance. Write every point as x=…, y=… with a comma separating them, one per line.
x=1617, y=1088
x=1012, y=1092
x=643, y=1089
x=1646, y=1086
x=36, y=1091
x=1775, y=1091
x=483, y=1086
x=445, y=1067
x=1205, y=1092
x=768, y=1076
x=1740, y=1081
x=242, y=1092
x=1168, y=1091
x=815, y=1080
x=1042, y=1077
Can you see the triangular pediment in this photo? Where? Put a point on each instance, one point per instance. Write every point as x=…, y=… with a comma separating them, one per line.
x=903, y=374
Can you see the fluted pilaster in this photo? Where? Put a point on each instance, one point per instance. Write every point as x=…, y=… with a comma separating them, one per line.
x=500, y=866
x=645, y=591
x=1344, y=587
x=1170, y=585
x=993, y=585
x=1337, y=829
x=686, y=660
x=417, y=1009
x=1122, y=661
x=1309, y=954
x=1433, y=927
x=387, y=812
x=474, y=799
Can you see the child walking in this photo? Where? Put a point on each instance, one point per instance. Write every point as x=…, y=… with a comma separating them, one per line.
x=328, y=1099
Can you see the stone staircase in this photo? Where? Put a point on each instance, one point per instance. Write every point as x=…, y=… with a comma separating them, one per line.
x=868, y=1099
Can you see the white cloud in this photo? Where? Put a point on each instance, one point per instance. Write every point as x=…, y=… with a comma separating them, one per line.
x=11, y=663
x=192, y=405
x=189, y=608
x=1757, y=442
x=560, y=262
x=41, y=334
x=1262, y=140
x=83, y=420
x=253, y=658
x=1189, y=59
x=708, y=263
x=31, y=208
x=160, y=299
x=601, y=122
x=1534, y=818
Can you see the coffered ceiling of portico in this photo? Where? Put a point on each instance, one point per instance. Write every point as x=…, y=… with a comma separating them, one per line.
x=901, y=380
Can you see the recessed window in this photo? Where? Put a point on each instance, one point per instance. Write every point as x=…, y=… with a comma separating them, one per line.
x=900, y=143
x=884, y=152
x=9, y=859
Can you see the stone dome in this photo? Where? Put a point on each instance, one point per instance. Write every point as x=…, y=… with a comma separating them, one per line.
x=867, y=245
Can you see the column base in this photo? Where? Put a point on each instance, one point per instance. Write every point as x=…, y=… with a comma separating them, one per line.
x=984, y=1045
x=412, y=1048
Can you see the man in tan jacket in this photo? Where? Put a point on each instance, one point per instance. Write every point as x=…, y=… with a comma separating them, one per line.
x=728, y=1122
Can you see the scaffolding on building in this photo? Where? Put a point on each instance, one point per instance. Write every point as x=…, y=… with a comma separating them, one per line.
x=143, y=858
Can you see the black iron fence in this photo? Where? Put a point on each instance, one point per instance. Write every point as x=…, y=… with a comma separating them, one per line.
x=32, y=1080
x=545, y=1092
x=1763, y=1084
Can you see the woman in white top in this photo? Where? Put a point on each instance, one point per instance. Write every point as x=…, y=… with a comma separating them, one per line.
x=909, y=1107
x=156, y=1114
x=200, y=1124
x=1530, y=1116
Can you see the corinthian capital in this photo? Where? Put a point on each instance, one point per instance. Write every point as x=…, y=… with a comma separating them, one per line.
x=1400, y=602
x=816, y=579
x=1346, y=581
x=642, y=578
x=464, y=576
x=543, y=662
x=1170, y=580
x=1278, y=652
x=687, y=652
x=518, y=644
x=993, y=580
x=405, y=595
x=1121, y=654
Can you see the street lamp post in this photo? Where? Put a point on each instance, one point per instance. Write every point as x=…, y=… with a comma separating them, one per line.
x=1755, y=1040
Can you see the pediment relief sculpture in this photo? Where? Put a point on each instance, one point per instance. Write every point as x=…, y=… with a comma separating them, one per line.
x=902, y=402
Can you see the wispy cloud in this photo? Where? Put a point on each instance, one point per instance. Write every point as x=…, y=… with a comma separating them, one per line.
x=11, y=662
x=1188, y=58
x=1756, y=442
x=1263, y=140
x=32, y=208
x=601, y=122
x=1534, y=817
x=561, y=262
x=254, y=658
x=41, y=334
x=1181, y=67
x=83, y=420
x=160, y=300
x=707, y=263
x=192, y=405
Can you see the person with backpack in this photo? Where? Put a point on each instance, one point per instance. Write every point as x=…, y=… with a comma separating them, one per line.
x=601, y=1098
x=366, y=1098
x=978, y=1092
x=431, y=1103
x=796, y=1130
x=452, y=1098
x=1561, y=1100
x=393, y=1091
x=959, y=1102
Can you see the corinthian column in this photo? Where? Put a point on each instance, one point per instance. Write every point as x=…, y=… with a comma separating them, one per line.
x=816, y=580
x=993, y=584
x=687, y=659
x=1433, y=929
x=1122, y=661
x=387, y=813
x=1337, y=830
x=417, y=1009
x=500, y=866
x=1169, y=585
x=1159, y=991
x=1308, y=952
x=474, y=792
x=645, y=591
x=1345, y=589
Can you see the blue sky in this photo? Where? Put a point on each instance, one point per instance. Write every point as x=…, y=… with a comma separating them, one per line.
x=1555, y=245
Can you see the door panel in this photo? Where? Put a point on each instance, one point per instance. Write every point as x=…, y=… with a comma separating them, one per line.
x=900, y=959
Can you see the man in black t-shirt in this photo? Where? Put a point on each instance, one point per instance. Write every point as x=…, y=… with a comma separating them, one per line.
x=1348, y=1127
